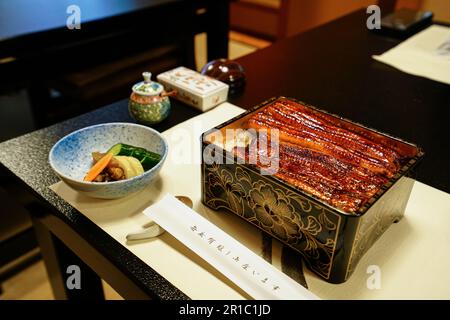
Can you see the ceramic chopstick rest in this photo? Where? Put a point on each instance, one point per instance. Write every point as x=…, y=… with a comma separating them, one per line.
x=151, y=231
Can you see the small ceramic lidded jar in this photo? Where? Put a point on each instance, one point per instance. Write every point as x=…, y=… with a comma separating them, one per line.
x=149, y=103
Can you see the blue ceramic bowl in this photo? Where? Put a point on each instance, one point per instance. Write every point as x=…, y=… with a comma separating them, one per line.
x=71, y=158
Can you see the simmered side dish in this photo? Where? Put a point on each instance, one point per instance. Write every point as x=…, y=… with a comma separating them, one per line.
x=121, y=162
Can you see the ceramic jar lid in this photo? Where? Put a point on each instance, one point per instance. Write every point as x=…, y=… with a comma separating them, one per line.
x=148, y=87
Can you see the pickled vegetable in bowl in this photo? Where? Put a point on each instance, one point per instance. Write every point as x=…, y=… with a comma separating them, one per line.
x=110, y=160
x=121, y=162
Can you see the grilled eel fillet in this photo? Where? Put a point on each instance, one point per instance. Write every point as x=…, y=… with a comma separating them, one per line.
x=307, y=130
x=404, y=151
x=317, y=154
x=343, y=185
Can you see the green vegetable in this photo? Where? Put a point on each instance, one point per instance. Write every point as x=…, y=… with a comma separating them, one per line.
x=147, y=158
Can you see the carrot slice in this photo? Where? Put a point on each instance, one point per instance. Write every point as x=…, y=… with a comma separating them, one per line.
x=98, y=167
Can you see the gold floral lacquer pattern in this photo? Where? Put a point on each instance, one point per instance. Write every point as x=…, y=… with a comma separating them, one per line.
x=286, y=215
x=274, y=212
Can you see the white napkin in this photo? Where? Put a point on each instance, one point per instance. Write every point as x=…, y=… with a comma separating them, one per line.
x=249, y=271
x=427, y=54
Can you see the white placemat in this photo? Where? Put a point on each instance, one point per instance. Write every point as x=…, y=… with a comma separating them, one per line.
x=413, y=255
x=426, y=54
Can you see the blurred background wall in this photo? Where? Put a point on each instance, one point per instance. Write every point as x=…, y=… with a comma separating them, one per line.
x=276, y=19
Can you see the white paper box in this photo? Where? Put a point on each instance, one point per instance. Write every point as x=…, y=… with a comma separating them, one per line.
x=193, y=88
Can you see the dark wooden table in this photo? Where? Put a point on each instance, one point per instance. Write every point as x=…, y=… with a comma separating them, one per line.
x=330, y=67
x=35, y=42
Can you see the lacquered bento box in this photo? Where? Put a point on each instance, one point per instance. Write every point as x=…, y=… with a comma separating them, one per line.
x=331, y=240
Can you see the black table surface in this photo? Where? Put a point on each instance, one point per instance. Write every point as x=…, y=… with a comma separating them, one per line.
x=26, y=157
x=330, y=67
x=24, y=17
x=36, y=45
